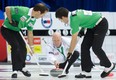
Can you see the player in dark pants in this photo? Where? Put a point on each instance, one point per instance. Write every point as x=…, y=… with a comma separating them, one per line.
x=19, y=17
x=94, y=38
x=97, y=27
x=18, y=52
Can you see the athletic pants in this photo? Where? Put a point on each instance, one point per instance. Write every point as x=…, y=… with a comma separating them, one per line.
x=94, y=38
x=18, y=48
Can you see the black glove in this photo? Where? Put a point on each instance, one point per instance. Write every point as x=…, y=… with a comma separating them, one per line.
x=81, y=32
x=14, y=23
x=69, y=55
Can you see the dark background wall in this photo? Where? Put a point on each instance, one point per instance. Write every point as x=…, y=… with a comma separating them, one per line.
x=94, y=5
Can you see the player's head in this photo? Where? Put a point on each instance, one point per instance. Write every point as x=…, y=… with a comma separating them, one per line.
x=62, y=14
x=39, y=10
x=57, y=40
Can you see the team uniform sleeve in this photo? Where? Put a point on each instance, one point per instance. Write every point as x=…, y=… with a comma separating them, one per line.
x=30, y=28
x=50, y=55
x=74, y=25
x=30, y=25
x=22, y=22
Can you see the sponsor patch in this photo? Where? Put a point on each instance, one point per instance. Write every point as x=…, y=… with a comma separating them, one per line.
x=23, y=18
x=16, y=10
x=30, y=24
x=73, y=13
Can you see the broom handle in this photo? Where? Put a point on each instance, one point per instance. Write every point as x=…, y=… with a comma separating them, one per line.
x=65, y=67
x=68, y=61
x=31, y=51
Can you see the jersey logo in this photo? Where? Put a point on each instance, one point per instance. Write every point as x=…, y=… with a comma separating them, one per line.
x=23, y=18
x=73, y=13
x=51, y=53
x=57, y=53
x=16, y=10
x=87, y=12
x=30, y=24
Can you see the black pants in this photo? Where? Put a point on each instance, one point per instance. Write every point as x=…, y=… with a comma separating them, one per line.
x=94, y=38
x=73, y=58
x=18, y=48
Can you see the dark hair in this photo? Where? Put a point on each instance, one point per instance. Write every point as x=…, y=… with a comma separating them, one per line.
x=40, y=7
x=61, y=12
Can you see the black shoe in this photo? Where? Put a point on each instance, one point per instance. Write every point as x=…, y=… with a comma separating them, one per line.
x=105, y=74
x=82, y=76
x=67, y=72
x=14, y=75
x=26, y=73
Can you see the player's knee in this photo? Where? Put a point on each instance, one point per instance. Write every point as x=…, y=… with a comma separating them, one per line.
x=96, y=49
x=15, y=47
x=84, y=46
x=76, y=54
x=24, y=49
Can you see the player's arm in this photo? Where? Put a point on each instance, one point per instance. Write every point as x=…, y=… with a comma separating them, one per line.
x=30, y=35
x=30, y=41
x=30, y=38
x=73, y=42
x=8, y=13
x=75, y=30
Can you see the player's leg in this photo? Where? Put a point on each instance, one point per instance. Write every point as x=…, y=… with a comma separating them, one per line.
x=86, y=63
x=99, y=35
x=23, y=53
x=17, y=56
x=11, y=39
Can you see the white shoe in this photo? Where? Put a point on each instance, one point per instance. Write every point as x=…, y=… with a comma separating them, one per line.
x=84, y=74
x=24, y=69
x=108, y=69
x=26, y=72
x=14, y=74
